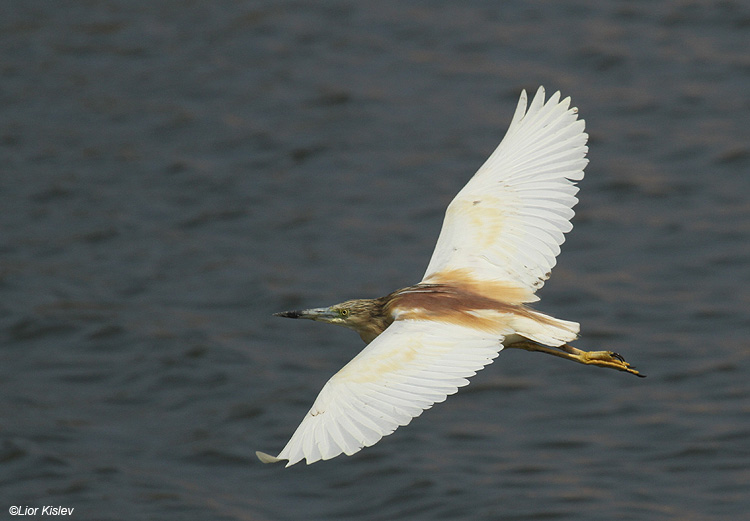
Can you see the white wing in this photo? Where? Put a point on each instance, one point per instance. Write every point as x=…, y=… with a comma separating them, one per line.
x=507, y=223
x=409, y=367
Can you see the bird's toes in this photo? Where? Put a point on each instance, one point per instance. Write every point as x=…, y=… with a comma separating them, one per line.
x=612, y=360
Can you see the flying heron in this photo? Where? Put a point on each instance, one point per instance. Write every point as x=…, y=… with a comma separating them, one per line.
x=498, y=243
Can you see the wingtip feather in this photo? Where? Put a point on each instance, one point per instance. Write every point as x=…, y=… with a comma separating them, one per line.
x=266, y=458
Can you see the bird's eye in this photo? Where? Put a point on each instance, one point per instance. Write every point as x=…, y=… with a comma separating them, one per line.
x=344, y=312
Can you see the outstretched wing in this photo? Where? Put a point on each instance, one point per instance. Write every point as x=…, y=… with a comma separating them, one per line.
x=409, y=367
x=507, y=223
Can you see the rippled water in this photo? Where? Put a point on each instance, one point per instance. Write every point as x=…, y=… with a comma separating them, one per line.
x=174, y=172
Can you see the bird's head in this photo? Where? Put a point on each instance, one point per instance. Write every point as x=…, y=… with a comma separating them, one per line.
x=365, y=316
x=348, y=314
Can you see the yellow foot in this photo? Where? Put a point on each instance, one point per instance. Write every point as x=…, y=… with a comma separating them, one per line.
x=607, y=359
x=601, y=358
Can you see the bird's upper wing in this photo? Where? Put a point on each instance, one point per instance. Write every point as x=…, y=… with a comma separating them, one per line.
x=409, y=367
x=507, y=223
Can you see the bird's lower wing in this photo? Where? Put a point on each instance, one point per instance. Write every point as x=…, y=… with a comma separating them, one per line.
x=409, y=367
x=507, y=223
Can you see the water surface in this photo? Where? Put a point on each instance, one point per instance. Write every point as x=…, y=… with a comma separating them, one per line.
x=173, y=173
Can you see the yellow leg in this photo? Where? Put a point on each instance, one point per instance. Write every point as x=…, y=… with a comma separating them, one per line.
x=599, y=358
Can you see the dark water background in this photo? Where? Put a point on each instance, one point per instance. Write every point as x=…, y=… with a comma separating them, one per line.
x=171, y=173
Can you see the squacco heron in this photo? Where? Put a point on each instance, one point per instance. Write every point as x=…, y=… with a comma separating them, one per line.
x=498, y=243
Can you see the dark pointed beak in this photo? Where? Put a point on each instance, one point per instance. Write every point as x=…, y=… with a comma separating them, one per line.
x=288, y=314
x=322, y=314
